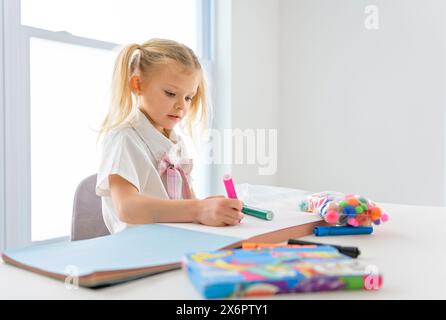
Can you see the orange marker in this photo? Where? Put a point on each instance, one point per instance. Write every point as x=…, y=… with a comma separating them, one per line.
x=255, y=245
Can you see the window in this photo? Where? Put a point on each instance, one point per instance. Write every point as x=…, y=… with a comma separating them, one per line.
x=65, y=53
x=67, y=104
x=117, y=21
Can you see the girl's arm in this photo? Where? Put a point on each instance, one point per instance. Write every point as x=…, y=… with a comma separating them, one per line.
x=193, y=193
x=135, y=208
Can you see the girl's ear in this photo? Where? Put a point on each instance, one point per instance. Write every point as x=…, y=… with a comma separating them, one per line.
x=135, y=84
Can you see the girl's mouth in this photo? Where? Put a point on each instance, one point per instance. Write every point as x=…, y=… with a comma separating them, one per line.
x=174, y=118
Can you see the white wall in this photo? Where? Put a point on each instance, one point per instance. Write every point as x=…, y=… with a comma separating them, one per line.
x=362, y=110
x=254, y=75
x=221, y=89
x=356, y=110
x=246, y=77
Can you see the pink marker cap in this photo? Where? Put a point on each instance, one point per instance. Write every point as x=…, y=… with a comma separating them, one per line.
x=229, y=185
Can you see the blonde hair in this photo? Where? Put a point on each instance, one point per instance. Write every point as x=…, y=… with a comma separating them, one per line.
x=142, y=60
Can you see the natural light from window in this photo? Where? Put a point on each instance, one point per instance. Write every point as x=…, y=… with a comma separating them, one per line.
x=117, y=21
x=69, y=90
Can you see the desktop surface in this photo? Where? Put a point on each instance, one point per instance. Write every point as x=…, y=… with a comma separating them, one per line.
x=409, y=251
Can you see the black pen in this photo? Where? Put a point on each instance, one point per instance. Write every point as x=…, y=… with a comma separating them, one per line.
x=348, y=251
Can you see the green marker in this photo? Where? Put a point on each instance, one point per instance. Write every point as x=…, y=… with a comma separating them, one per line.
x=259, y=213
x=256, y=212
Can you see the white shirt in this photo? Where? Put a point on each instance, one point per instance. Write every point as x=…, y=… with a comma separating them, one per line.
x=133, y=151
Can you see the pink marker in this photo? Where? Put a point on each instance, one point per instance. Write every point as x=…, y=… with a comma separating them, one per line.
x=229, y=185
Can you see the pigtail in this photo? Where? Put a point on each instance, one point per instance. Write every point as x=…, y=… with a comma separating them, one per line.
x=121, y=102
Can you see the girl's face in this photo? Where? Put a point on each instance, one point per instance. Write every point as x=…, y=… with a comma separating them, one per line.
x=167, y=95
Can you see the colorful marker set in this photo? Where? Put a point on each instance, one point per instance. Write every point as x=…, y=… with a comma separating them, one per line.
x=255, y=212
x=262, y=269
x=344, y=210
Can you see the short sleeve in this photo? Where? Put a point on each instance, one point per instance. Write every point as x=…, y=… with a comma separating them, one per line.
x=123, y=155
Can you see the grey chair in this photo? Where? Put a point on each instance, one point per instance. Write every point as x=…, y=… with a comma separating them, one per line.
x=87, y=221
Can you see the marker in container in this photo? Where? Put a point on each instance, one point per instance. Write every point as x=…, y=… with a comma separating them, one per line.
x=255, y=212
x=339, y=231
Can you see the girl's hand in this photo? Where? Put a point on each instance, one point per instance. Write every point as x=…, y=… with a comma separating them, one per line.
x=218, y=211
x=212, y=197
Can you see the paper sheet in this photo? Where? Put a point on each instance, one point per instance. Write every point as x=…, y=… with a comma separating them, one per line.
x=284, y=202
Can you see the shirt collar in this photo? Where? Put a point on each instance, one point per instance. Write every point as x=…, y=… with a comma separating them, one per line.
x=155, y=140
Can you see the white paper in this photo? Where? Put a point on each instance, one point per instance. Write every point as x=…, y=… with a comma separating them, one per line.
x=284, y=202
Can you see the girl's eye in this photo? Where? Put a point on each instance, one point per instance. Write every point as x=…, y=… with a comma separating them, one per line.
x=171, y=94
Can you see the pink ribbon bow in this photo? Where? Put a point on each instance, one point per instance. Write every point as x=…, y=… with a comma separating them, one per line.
x=176, y=173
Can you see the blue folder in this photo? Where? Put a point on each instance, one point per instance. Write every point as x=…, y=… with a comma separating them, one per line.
x=133, y=253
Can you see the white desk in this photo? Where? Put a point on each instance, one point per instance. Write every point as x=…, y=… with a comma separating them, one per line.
x=409, y=251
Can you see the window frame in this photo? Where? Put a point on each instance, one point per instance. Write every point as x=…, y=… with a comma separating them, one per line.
x=15, y=143
x=2, y=132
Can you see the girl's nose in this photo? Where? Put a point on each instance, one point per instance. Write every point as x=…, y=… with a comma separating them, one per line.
x=180, y=105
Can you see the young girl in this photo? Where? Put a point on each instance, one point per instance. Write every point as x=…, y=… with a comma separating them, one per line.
x=144, y=171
